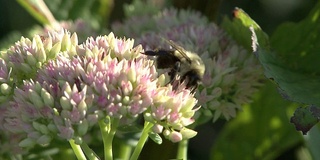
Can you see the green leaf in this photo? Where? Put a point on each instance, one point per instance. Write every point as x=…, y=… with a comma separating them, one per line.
x=294, y=85
x=238, y=28
x=95, y=12
x=312, y=141
x=261, y=131
x=297, y=44
x=304, y=119
x=293, y=66
x=37, y=9
x=155, y=137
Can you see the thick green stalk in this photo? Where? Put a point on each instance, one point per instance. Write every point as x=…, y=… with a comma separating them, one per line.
x=77, y=150
x=125, y=150
x=182, y=149
x=142, y=140
x=108, y=129
x=89, y=152
x=104, y=129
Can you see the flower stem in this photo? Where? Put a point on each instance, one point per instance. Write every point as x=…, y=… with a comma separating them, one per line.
x=124, y=150
x=89, y=152
x=108, y=128
x=182, y=149
x=105, y=129
x=142, y=140
x=77, y=150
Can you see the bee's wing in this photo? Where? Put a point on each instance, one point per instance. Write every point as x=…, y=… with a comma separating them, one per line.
x=178, y=48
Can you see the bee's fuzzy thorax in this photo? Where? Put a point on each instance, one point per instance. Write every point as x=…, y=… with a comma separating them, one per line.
x=188, y=65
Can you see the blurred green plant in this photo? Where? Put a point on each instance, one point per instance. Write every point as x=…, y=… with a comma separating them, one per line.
x=292, y=66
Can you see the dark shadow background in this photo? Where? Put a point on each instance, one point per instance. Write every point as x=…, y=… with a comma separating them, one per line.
x=267, y=13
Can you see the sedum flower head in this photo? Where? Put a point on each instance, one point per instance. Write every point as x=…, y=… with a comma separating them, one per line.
x=83, y=84
x=172, y=110
x=232, y=73
x=74, y=90
x=31, y=112
x=162, y=21
x=233, y=76
x=28, y=55
x=18, y=63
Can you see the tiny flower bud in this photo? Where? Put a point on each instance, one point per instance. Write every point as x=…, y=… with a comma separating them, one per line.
x=5, y=89
x=126, y=100
x=54, y=50
x=188, y=133
x=47, y=98
x=132, y=75
x=78, y=140
x=216, y=92
x=38, y=64
x=66, y=43
x=37, y=42
x=175, y=136
x=92, y=119
x=83, y=127
x=41, y=56
x=82, y=107
x=44, y=129
x=66, y=132
x=40, y=127
x=27, y=143
x=65, y=103
x=47, y=44
x=148, y=117
x=44, y=140
x=166, y=132
x=67, y=89
x=34, y=135
x=189, y=104
x=26, y=68
x=35, y=99
x=74, y=39
x=157, y=128
x=30, y=59
x=52, y=128
x=162, y=80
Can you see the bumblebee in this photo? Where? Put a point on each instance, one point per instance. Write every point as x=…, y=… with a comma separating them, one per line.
x=188, y=65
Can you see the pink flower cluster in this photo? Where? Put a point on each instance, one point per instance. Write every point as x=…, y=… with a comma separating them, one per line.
x=82, y=84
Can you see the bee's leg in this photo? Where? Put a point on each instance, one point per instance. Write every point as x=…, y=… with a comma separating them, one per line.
x=192, y=80
x=173, y=75
x=192, y=83
x=158, y=52
x=194, y=88
x=174, y=71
